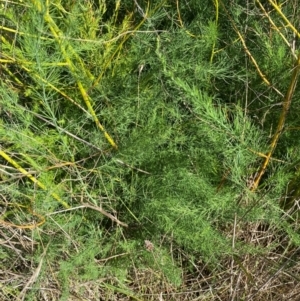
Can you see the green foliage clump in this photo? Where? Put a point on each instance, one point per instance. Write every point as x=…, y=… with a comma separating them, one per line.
x=124, y=123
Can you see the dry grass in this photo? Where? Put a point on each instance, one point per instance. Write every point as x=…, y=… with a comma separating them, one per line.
x=272, y=274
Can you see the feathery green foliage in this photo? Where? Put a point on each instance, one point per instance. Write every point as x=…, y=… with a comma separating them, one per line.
x=133, y=139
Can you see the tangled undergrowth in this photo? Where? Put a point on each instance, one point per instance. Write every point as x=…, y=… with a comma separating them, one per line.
x=149, y=150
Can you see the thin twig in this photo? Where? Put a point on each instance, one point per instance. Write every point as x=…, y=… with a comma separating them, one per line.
x=99, y=209
x=66, y=132
x=125, y=164
x=102, y=211
x=33, y=277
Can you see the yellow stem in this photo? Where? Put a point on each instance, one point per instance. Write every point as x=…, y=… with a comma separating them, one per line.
x=31, y=177
x=286, y=105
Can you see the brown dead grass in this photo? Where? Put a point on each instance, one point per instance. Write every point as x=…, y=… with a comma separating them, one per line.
x=272, y=274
